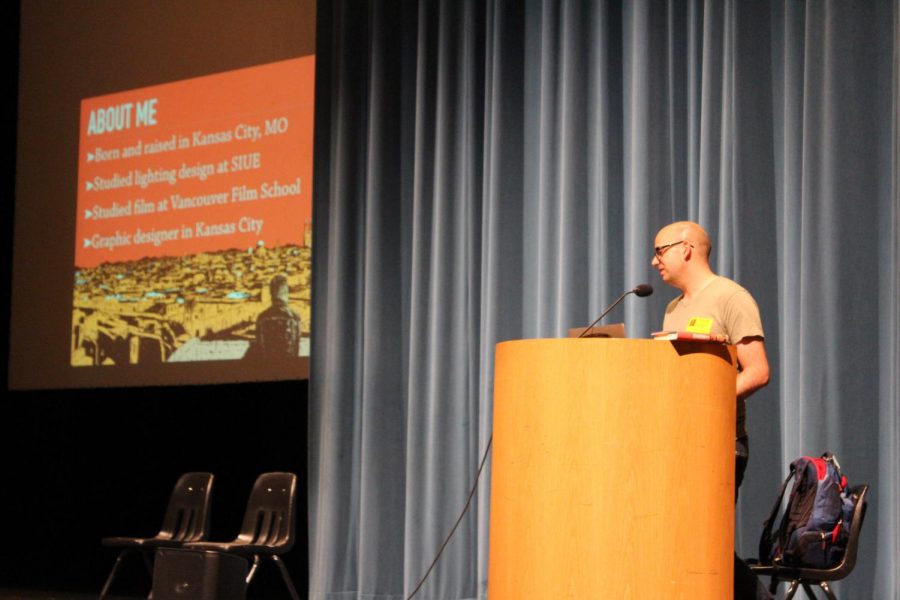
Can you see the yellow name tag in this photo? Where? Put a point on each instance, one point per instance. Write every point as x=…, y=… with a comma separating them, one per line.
x=700, y=325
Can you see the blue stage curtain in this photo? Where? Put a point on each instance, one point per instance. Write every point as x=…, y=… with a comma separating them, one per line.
x=496, y=169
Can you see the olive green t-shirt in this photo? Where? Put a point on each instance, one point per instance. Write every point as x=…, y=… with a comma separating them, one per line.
x=733, y=312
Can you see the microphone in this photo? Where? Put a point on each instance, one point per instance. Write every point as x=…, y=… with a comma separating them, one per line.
x=642, y=290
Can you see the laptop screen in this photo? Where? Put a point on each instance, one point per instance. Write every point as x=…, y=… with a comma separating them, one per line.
x=616, y=330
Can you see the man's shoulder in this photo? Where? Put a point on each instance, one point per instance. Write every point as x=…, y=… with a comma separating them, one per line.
x=741, y=310
x=728, y=290
x=278, y=311
x=725, y=285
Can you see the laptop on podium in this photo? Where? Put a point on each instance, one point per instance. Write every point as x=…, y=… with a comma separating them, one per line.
x=615, y=330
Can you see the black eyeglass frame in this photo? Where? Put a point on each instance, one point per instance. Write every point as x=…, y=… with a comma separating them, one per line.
x=658, y=251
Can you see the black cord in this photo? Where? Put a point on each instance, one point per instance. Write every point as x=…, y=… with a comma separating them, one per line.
x=455, y=525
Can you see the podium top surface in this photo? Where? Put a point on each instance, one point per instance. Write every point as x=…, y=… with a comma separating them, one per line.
x=642, y=345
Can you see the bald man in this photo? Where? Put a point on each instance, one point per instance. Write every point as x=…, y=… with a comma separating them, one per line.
x=681, y=255
x=721, y=306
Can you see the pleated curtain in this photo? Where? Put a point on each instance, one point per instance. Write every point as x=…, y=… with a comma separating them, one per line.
x=490, y=170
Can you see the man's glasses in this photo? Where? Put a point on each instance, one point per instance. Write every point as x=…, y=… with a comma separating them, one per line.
x=658, y=251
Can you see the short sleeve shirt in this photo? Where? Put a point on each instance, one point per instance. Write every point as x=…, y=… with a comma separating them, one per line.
x=733, y=312
x=732, y=309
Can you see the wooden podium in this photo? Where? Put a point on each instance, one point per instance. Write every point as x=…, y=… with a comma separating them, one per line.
x=613, y=470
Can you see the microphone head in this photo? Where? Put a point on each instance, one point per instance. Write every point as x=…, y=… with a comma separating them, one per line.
x=644, y=289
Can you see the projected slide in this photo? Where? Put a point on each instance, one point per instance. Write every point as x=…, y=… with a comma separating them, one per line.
x=194, y=220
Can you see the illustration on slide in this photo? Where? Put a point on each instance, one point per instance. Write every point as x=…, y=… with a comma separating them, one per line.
x=213, y=306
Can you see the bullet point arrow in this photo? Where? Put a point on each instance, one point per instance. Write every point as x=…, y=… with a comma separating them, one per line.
x=89, y=186
x=90, y=157
x=87, y=243
x=88, y=214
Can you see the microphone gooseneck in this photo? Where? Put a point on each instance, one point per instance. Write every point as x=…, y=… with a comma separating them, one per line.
x=642, y=290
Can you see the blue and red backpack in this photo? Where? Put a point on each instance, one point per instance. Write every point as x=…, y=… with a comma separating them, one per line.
x=815, y=525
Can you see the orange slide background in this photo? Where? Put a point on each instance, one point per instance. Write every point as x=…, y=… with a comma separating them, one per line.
x=228, y=102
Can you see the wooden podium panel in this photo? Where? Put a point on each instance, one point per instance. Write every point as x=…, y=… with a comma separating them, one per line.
x=613, y=470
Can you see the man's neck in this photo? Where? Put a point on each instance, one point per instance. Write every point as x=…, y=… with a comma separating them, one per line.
x=697, y=282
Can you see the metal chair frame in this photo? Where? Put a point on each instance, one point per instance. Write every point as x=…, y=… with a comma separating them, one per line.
x=807, y=577
x=268, y=528
x=186, y=520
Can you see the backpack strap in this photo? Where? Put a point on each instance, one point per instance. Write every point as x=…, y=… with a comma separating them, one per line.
x=765, y=540
x=841, y=478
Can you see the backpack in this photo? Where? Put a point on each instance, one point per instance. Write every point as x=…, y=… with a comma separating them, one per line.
x=815, y=526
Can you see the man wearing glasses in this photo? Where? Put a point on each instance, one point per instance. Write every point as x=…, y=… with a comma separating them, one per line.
x=712, y=304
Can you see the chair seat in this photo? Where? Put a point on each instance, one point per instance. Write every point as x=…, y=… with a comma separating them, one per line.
x=137, y=543
x=790, y=573
x=235, y=547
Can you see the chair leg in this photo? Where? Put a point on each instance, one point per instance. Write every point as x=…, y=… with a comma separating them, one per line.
x=809, y=591
x=287, y=577
x=795, y=585
x=253, y=568
x=824, y=585
x=148, y=562
x=112, y=574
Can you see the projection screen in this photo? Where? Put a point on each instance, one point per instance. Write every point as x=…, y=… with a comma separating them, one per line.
x=163, y=216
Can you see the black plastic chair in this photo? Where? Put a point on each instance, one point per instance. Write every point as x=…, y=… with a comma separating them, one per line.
x=186, y=520
x=268, y=529
x=806, y=577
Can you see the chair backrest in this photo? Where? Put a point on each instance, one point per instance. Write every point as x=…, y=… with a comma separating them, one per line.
x=270, y=515
x=859, y=514
x=187, y=515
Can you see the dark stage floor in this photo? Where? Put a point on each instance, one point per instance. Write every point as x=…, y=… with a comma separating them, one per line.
x=49, y=595
x=6, y=594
